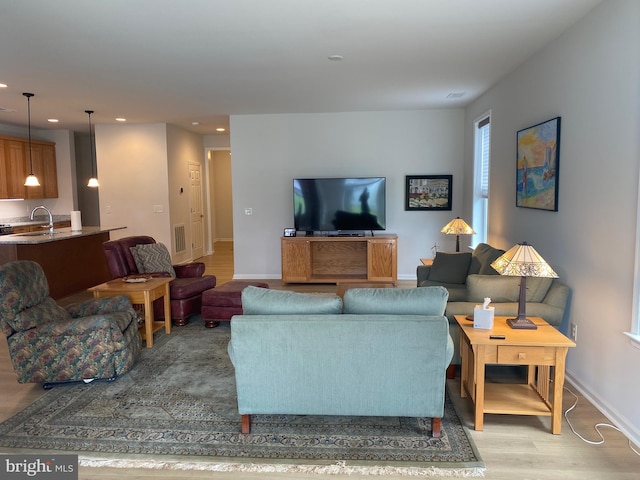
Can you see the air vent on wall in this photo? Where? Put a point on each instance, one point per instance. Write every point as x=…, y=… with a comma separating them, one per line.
x=179, y=238
x=7, y=110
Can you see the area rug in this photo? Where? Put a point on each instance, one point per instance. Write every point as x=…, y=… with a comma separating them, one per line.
x=177, y=410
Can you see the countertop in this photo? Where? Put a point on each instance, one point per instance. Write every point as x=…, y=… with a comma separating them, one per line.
x=31, y=238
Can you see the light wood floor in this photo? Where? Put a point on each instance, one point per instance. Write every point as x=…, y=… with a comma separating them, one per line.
x=513, y=447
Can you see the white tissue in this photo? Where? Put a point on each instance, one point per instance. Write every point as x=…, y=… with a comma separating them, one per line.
x=76, y=221
x=483, y=315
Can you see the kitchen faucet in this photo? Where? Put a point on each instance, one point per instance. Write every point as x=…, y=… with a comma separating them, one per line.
x=50, y=217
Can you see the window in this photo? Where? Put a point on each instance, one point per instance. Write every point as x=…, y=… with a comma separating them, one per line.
x=634, y=333
x=482, y=156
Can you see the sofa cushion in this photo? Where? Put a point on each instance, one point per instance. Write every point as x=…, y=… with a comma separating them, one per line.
x=152, y=258
x=483, y=256
x=396, y=301
x=262, y=301
x=457, y=291
x=502, y=288
x=450, y=267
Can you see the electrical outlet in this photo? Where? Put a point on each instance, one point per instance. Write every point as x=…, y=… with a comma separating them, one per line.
x=574, y=332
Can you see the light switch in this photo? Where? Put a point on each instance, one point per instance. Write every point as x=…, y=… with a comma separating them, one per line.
x=248, y=211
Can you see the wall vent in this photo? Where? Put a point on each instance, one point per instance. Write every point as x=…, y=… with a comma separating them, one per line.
x=179, y=239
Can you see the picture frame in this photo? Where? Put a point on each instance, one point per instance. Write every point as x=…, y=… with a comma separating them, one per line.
x=289, y=232
x=537, y=165
x=428, y=192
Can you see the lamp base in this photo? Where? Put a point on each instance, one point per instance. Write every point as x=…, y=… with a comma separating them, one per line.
x=521, y=323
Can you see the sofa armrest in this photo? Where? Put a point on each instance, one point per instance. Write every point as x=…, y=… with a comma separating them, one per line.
x=83, y=326
x=189, y=270
x=423, y=272
x=557, y=295
x=100, y=306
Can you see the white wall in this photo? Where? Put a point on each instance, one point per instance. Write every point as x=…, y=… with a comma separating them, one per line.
x=270, y=150
x=590, y=76
x=183, y=147
x=222, y=198
x=132, y=161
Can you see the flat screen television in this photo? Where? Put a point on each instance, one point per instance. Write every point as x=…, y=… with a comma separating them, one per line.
x=339, y=204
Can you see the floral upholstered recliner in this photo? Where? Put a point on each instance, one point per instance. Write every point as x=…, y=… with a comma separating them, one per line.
x=49, y=344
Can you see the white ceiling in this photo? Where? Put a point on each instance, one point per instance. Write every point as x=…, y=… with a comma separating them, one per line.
x=181, y=61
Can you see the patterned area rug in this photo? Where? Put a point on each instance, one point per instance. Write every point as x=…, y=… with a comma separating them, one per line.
x=177, y=409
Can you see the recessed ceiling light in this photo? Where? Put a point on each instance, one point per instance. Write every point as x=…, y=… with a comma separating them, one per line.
x=195, y=123
x=120, y=119
x=3, y=85
x=335, y=58
x=220, y=129
x=52, y=120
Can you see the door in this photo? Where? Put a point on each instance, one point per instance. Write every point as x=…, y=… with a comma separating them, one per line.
x=197, y=216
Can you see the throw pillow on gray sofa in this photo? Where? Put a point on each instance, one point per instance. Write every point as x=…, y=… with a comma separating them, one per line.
x=483, y=256
x=450, y=267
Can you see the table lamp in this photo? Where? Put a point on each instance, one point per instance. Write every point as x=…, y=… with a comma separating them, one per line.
x=457, y=227
x=523, y=261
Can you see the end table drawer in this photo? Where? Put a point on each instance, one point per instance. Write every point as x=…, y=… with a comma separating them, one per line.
x=521, y=355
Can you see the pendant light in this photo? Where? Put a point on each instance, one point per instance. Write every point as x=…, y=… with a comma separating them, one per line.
x=32, y=180
x=93, y=181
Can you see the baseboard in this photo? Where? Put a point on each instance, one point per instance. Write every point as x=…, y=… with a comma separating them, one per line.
x=256, y=276
x=616, y=419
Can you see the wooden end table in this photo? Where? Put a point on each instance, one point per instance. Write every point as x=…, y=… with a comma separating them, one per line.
x=539, y=349
x=142, y=293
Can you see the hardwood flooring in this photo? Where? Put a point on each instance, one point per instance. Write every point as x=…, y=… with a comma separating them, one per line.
x=513, y=447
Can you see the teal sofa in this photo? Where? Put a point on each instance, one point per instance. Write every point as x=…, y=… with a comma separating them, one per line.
x=383, y=352
x=469, y=278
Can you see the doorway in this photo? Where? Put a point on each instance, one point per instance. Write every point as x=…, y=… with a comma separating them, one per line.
x=220, y=196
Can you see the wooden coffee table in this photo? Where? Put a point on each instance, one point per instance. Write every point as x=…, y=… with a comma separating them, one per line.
x=539, y=349
x=141, y=293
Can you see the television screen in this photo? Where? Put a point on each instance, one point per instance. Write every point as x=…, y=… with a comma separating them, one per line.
x=339, y=204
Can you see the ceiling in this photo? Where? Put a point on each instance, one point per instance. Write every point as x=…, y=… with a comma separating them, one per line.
x=185, y=61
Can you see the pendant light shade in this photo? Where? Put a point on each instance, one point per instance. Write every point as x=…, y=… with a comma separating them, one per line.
x=93, y=181
x=32, y=180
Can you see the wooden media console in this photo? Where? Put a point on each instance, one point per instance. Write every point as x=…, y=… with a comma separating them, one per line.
x=340, y=259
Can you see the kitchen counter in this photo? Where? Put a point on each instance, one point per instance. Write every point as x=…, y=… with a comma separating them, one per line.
x=72, y=261
x=31, y=238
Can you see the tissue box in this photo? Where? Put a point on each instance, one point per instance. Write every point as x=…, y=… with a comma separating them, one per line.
x=483, y=318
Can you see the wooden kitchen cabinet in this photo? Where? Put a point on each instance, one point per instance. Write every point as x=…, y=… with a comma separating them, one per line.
x=339, y=259
x=16, y=165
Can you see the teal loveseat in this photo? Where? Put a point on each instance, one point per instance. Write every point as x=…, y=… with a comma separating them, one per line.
x=384, y=352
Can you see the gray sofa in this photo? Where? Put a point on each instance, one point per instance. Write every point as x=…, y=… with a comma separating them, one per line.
x=469, y=278
x=384, y=354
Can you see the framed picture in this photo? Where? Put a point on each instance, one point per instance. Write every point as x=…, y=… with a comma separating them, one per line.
x=289, y=232
x=537, y=165
x=428, y=192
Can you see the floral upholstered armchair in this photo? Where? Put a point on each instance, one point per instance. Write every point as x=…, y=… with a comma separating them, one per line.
x=49, y=344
